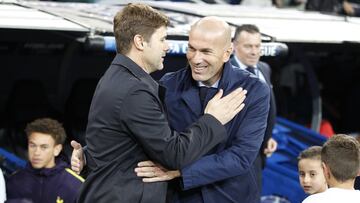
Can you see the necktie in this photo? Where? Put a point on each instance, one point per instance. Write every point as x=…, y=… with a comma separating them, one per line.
x=251, y=69
x=202, y=93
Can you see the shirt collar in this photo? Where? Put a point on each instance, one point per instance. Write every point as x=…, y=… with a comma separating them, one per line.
x=215, y=85
x=241, y=65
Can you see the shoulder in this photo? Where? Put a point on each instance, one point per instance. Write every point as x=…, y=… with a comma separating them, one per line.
x=174, y=78
x=174, y=75
x=264, y=66
x=251, y=83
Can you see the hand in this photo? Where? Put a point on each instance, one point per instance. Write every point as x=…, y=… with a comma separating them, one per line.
x=226, y=108
x=270, y=147
x=153, y=172
x=77, y=157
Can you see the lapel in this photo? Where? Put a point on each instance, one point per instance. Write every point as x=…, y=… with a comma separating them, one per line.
x=190, y=93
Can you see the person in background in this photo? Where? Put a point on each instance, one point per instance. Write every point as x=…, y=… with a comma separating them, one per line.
x=247, y=44
x=340, y=156
x=351, y=9
x=46, y=177
x=311, y=175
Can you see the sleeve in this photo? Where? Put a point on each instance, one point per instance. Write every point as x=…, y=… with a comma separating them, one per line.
x=246, y=137
x=145, y=118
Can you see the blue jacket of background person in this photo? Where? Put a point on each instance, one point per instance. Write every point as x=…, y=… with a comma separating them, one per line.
x=227, y=173
x=58, y=184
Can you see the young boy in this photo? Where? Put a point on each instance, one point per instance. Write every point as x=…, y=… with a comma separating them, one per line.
x=46, y=177
x=340, y=158
x=311, y=175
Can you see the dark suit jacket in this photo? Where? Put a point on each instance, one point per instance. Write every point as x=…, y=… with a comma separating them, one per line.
x=264, y=68
x=127, y=124
x=227, y=174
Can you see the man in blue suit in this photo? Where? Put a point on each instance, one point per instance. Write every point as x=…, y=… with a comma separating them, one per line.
x=247, y=42
x=227, y=174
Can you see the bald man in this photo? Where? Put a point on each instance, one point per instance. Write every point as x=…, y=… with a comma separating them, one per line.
x=227, y=173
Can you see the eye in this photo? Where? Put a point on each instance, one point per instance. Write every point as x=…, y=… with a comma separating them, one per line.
x=44, y=147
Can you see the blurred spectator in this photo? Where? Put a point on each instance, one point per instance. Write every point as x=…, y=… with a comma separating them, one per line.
x=351, y=8
x=46, y=177
x=311, y=175
x=2, y=188
x=329, y=6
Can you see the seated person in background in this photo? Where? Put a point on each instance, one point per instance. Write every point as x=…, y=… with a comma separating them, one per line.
x=46, y=177
x=2, y=188
x=311, y=175
x=351, y=9
x=340, y=158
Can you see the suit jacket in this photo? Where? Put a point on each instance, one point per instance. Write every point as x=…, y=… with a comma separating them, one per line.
x=127, y=124
x=227, y=174
x=265, y=69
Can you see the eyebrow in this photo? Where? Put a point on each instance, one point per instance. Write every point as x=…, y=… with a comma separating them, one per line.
x=202, y=50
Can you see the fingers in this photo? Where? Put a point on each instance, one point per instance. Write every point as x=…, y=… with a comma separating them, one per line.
x=218, y=95
x=146, y=163
x=75, y=145
x=156, y=179
x=75, y=165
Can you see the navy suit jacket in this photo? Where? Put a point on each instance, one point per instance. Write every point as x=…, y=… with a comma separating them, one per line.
x=227, y=173
x=265, y=69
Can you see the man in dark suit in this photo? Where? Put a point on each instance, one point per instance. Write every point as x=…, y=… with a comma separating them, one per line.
x=247, y=43
x=127, y=120
x=227, y=174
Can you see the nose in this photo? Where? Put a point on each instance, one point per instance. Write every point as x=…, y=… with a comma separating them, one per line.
x=306, y=179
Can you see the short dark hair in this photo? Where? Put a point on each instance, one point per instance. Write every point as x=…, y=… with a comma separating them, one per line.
x=341, y=153
x=313, y=152
x=136, y=19
x=250, y=28
x=47, y=126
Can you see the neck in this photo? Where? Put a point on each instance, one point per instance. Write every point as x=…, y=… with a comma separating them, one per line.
x=348, y=185
x=136, y=57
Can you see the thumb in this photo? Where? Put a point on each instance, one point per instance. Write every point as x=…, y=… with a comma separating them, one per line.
x=75, y=145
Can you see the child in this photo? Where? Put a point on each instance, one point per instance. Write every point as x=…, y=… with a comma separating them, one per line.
x=340, y=158
x=311, y=174
x=46, y=177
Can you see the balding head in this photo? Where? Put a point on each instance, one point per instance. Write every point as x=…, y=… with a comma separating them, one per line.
x=215, y=27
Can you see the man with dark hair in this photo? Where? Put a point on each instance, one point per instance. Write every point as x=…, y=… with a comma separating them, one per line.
x=341, y=164
x=127, y=120
x=247, y=44
x=46, y=177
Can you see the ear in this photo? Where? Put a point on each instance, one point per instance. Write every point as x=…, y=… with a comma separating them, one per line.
x=138, y=42
x=326, y=170
x=57, y=149
x=227, y=53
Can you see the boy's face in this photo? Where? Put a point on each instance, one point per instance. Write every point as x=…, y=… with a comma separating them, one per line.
x=42, y=150
x=311, y=176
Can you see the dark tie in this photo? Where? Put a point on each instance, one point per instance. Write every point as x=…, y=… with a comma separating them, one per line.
x=251, y=69
x=202, y=93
